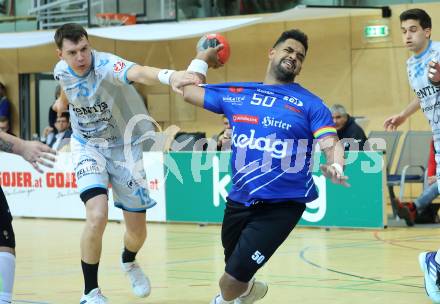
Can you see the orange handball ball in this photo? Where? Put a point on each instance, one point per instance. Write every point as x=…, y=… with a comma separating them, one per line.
x=212, y=40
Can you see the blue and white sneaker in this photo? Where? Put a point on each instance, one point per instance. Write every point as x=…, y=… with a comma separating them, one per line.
x=94, y=297
x=140, y=283
x=431, y=270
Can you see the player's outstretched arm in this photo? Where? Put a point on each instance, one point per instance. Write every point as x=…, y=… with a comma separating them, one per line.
x=392, y=122
x=144, y=75
x=334, y=154
x=35, y=152
x=151, y=76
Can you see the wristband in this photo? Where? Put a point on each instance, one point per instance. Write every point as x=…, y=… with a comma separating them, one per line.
x=198, y=66
x=164, y=76
x=338, y=168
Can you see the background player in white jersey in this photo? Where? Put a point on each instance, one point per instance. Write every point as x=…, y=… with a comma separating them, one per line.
x=270, y=160
x=105, y=148
x=424, y=77
x=37, y=154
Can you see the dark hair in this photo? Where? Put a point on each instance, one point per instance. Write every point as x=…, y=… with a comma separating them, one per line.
x=293, y=34
x=65, y=115
x=70, y=31
x=2, y=88
x=417, y=14
x=4, y=118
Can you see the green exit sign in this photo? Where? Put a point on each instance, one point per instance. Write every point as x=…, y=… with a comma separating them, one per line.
x=374, y=31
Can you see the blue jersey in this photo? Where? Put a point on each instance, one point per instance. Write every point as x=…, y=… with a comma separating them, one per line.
x=273, y=131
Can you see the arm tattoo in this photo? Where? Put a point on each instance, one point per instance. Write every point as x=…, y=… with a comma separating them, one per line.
x=5, y=146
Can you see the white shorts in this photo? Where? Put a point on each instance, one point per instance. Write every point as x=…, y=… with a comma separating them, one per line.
x=95, y=167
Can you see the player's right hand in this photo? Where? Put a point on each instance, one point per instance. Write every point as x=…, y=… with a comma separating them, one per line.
x=37, y=154
x=391, y=123
x=334, y=175
x=210, y=56
x=183, y=78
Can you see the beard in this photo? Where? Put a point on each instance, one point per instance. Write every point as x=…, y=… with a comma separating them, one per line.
x=281, y=74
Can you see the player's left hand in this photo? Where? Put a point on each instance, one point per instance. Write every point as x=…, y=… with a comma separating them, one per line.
x=334, y=175
x=434, y=72
x=180, y=79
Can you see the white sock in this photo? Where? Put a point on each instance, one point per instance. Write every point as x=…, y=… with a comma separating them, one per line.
x=437, y=257
x=219, y=300
x=7, y=273
x=248, y=290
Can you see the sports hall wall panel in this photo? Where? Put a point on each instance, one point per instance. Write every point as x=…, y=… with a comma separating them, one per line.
x=104, y=45
x=326, y=70
x=37, y=59
x=250, y=49
x=9, y=77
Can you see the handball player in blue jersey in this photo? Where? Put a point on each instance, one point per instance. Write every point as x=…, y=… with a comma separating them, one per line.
x=274, y=126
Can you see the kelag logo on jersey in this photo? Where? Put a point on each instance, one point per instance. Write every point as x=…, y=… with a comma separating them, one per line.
x=276, y=147
x=118, y=66
x=253, y=120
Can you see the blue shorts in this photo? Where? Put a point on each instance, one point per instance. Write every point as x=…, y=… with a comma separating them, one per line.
x=121, y=166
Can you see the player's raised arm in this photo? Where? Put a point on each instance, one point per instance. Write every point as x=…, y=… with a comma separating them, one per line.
x=198, y=68
x=150, y=76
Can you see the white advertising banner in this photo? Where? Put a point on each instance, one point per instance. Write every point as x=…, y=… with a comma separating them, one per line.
x=54, y=194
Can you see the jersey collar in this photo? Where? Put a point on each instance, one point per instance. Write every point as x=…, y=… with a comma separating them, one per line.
x=425, y=51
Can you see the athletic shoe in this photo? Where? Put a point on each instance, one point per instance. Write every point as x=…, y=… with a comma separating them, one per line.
x=407, y=212
x=430, y=269
x=258, y=291
x=140, y=283
x=214, y=301
x=94, y=297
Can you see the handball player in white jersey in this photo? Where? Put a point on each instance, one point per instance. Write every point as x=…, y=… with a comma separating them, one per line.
x=96, y=88
x=424, y=77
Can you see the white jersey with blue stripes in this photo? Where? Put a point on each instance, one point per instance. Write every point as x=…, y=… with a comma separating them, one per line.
x=429, y=95
x=102, y=102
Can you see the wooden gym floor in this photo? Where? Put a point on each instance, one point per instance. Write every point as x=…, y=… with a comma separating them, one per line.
x=184, y=262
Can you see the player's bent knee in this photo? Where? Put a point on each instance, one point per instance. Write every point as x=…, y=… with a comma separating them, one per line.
x=97, y=219
x=240, y=272
x=91, y=193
